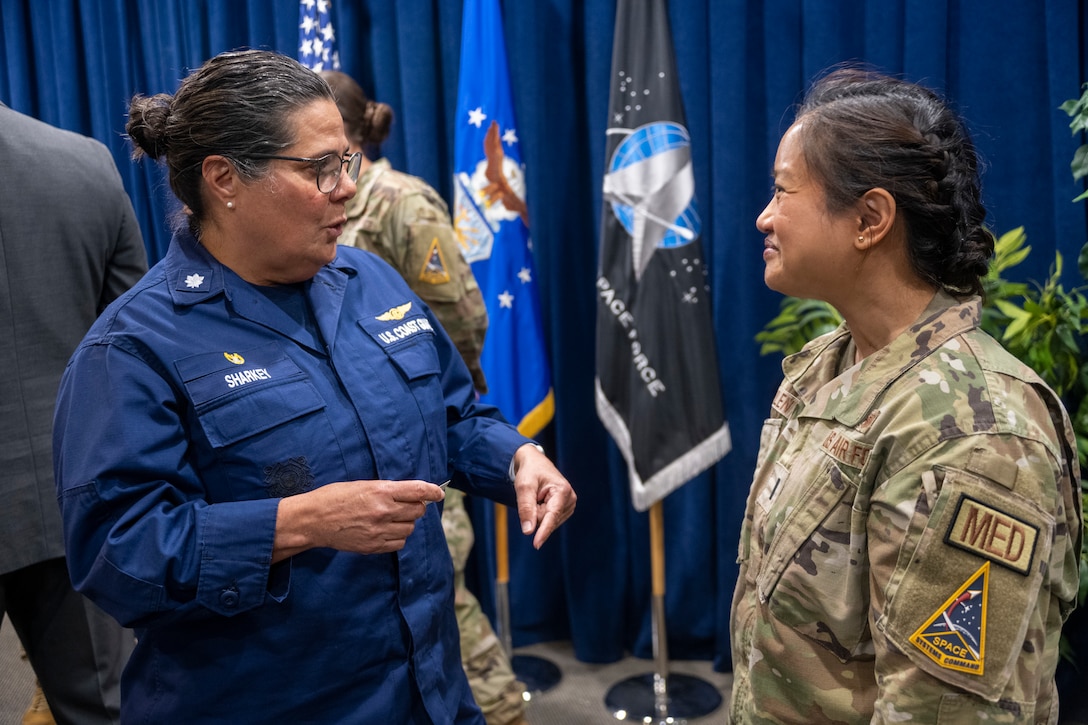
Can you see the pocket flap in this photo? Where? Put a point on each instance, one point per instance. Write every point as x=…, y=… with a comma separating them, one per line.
x=238, y=394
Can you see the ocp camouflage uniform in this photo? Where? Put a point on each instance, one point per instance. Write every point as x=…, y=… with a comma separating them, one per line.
x=910, y=545
x=404, y=221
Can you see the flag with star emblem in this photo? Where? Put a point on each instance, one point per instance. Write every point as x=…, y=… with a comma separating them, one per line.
x=658, y=393
x=491, y=220
x=316, y=38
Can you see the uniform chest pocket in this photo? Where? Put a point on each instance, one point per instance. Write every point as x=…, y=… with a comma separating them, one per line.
x=407, y=338
x=415, y=360
x=237, y=395
x=814, y=576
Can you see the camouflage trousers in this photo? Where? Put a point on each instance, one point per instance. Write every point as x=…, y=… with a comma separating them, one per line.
x=496, y=689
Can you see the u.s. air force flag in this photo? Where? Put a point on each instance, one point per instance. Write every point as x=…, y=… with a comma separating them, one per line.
x=657, y=372
x=492, y=220
x=316, y=39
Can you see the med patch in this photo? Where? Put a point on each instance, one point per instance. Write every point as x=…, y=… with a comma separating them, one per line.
x=993, y=534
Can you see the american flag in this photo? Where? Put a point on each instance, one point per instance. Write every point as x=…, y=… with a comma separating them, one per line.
x=316, y=39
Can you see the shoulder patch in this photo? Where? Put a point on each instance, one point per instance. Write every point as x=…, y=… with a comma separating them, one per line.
x=993, y=534
x=434, y=268
x=955, y=636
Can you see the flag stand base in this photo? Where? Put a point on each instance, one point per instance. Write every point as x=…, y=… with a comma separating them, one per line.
x=637, y=698
x=536, y=673
x=660, y=697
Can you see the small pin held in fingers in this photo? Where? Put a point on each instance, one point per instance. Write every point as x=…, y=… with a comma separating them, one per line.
x=442, y=486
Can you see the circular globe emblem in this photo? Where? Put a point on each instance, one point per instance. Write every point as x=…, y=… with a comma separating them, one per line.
x=643, y=143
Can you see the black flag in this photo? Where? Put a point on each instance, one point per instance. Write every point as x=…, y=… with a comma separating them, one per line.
x=657, y=372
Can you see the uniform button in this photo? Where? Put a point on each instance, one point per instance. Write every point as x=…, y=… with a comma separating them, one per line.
x=229, y=599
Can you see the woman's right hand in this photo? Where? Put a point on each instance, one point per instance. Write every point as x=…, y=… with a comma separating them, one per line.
x=365, y=517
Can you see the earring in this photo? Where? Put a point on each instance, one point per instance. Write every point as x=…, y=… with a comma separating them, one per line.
x=230, y=204
x=861, y=237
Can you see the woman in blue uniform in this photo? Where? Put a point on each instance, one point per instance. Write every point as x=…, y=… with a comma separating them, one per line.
x=247, y=442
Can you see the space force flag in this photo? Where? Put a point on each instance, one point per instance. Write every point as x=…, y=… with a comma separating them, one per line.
x=657, y=373
x=491, y=220
x=316, y=39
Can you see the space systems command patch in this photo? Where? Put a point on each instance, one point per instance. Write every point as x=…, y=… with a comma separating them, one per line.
x=955, y=636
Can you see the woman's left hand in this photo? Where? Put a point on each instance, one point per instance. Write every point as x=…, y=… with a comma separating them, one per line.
x=545, y=498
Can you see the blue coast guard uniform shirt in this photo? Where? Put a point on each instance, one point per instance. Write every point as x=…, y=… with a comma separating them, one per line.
x=197, y=401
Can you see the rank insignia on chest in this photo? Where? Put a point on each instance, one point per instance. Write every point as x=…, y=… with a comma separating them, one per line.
x=955, y=636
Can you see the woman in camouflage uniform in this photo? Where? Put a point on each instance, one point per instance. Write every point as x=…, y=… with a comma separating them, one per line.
x=909, y=549
x=405, y=222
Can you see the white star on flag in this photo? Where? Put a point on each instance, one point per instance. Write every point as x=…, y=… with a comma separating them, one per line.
x=525, y=275
x=194, y=280
x=476, y=117
x=316, y=37
x=510, y=136
x=506, y=299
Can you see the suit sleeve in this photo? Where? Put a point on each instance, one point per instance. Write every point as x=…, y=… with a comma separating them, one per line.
x=127, y=260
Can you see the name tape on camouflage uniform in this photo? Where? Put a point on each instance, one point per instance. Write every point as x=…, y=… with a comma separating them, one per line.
x=784, y=402
x=993, y=534
x=846, y=451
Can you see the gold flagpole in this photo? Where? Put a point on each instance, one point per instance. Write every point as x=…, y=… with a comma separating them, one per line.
x=536, y=673
x=657, y=590
x=502, y=577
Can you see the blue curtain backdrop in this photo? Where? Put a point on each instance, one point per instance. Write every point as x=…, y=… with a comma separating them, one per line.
x=1007, y=65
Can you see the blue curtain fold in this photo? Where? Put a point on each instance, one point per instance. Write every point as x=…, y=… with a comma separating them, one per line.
x=1007, y=66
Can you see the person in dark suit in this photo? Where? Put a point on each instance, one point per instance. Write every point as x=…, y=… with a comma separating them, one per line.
x=69, y=245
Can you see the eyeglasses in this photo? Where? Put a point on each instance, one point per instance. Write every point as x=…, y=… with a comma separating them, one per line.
x=327, y=167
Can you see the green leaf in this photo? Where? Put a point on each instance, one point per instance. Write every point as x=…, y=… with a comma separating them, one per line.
x=797, y=322
x=1079, y=164
x=1010, y=310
